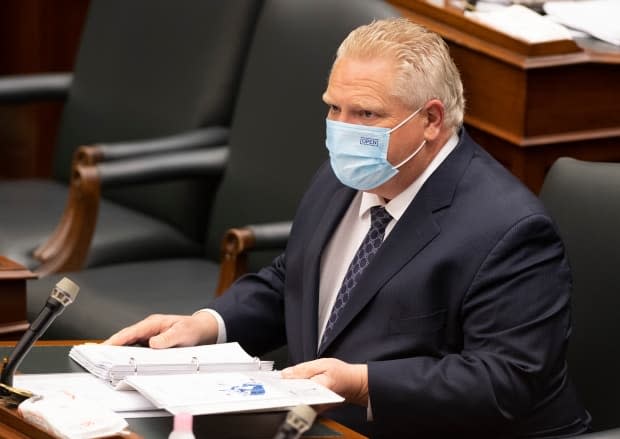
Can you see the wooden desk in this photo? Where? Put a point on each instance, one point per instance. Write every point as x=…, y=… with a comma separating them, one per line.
x=529, y=104
x=52, y=357
x=13, y=319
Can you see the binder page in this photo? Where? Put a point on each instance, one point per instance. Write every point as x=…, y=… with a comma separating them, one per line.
x=83, y=386
x=225, y=392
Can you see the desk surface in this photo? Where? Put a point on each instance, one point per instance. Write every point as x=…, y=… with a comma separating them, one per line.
x=52, y=357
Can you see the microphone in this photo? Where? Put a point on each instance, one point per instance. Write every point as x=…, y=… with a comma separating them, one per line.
x=62, y=295
x=297, y=421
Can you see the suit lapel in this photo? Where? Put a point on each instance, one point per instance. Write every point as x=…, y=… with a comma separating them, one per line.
x=328, y=222
x=415, y=229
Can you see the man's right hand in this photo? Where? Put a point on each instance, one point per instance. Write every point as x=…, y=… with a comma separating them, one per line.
x=165, y=331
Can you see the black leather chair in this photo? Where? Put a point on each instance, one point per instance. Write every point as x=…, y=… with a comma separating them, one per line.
x=150, y=76
x=277, y=143
x=584, y=200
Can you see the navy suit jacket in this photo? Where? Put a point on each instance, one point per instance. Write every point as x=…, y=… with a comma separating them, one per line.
x=463, y=316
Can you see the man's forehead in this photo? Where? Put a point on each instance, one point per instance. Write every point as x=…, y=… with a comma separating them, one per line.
x=360, y=84
x=362, y=72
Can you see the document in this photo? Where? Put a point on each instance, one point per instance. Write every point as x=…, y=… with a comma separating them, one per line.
x=522, y=23
x=598, y=18
x=66, y=417
x=114, y=363
x=84, y=386
x=225, y=392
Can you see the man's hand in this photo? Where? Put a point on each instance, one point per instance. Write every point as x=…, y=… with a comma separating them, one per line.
x=348, y=380
x=164, y=331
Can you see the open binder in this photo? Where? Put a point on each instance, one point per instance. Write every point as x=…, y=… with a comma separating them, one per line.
x=208, y=379
x=114, y=363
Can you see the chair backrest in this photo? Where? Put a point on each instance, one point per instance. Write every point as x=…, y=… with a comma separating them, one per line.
x=584, y=200
x=278, y=129
x=150, y=68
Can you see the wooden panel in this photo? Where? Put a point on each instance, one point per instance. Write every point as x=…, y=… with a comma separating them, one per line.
x=13, y=317
x=499, y=109
x=35, y=36
x=573, y=98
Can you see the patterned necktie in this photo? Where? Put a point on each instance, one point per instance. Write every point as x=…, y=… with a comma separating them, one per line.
x=371, y=243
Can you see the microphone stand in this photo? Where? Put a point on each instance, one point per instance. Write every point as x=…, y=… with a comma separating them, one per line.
x=11, y=396
x=62, y=295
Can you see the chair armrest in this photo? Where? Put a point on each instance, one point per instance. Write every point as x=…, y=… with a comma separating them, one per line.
x=269, y=236
x=200, y=138
x=238, y=241
x=25, y=88
x=164, y=167
x=74, y=233
x=92, y=155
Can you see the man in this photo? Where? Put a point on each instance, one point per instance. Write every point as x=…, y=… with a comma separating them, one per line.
x=421, y=281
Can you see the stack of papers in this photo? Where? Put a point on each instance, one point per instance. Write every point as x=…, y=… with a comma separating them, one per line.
x=598, y=18
x=114, y=363
x=522, y=23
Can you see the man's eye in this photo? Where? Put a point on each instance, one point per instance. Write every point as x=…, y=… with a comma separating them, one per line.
x=367, y=114
x=334, y=109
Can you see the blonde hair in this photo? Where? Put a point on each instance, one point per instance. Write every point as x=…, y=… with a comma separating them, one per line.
x=425, y=69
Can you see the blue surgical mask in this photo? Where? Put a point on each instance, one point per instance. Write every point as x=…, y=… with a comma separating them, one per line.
x=358, y=153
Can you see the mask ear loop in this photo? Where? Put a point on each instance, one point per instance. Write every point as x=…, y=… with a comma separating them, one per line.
x=407, y=119
x=412, y=155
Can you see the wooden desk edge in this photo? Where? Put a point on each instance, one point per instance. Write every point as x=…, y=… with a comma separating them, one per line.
x=346, y=432
x=11, y=343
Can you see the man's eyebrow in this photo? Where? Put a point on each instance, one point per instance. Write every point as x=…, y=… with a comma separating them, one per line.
x=367, y=106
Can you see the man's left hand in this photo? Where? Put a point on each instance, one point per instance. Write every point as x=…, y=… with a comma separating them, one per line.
x=348, y=380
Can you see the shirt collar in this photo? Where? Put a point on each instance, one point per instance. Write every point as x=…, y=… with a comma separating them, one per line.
x=397, y=206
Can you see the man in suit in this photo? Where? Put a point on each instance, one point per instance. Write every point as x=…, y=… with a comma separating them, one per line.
x=421, y=281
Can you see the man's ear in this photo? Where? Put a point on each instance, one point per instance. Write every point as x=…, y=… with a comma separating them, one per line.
x=434, y=112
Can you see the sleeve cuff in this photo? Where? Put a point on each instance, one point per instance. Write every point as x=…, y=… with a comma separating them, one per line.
x=221, y=326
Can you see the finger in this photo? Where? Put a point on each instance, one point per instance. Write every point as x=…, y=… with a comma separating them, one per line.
x=322, y=379
x=138, y=332
x=123, y=337
x=175, y=335
x=305, y=370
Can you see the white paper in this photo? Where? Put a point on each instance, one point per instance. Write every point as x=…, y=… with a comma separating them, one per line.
x=83, y=386
x=223, y=392
x=523, y=23
x=599, y=18
x=69, y=417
